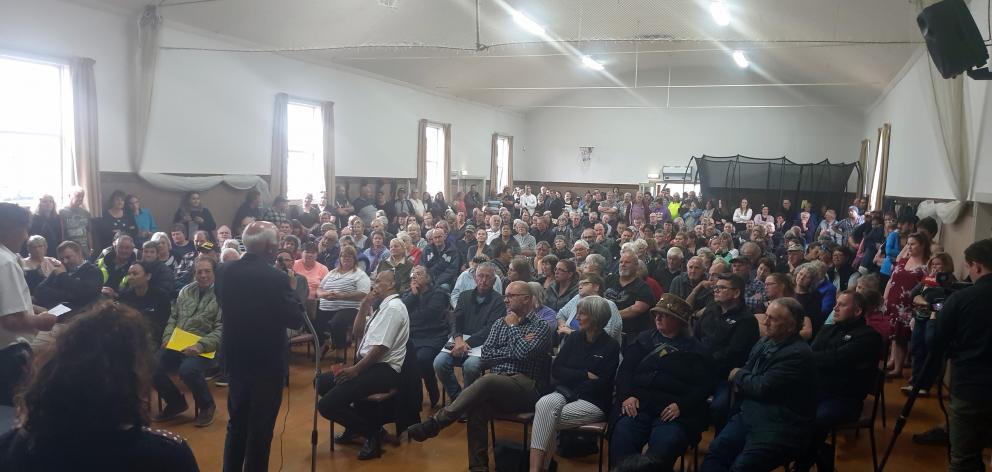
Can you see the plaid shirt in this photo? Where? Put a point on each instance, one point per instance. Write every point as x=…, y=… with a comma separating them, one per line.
x=756, y=304
x=507, y=352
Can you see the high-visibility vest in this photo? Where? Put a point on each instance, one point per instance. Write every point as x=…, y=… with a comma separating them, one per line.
x=106, y=274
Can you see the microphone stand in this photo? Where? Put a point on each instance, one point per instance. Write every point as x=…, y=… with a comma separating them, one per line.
x=316, y=395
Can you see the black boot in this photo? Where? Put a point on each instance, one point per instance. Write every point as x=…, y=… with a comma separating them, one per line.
x=372, y=448
x=421, y=432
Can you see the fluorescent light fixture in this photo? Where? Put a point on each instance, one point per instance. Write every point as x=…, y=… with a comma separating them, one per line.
x=740, y=59
x=528, y=24
x=653, y=176
x=591, y=63
x=720, y=13
x=464, y=172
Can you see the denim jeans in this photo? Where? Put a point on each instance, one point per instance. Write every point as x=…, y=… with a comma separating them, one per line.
x=918, y=348
x=666, y=440
x=734, y=449
x=444, y=366
x=191, y=371
x=425, y=360
x=830, y=412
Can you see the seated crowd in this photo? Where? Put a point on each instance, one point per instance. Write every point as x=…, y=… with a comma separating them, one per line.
x=659, y=316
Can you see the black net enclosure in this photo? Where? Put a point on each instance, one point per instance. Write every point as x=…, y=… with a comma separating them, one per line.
x=769, y=181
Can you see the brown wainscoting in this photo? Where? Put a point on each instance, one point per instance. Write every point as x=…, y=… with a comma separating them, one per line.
x=222, y=201
x=576, y=187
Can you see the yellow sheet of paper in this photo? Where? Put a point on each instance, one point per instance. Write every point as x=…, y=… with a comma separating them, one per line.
x=182, y=339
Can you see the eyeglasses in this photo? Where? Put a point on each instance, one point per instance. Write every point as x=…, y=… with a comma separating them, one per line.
x=720, y=288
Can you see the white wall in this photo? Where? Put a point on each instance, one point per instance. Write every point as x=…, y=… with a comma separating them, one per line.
x=630, y=143
x=212, y=113
x=917, y=166
x=48, y=27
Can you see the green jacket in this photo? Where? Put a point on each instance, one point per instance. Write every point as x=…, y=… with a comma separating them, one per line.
x=198, y=315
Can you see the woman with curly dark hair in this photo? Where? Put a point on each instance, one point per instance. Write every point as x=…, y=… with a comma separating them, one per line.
x=86, y=406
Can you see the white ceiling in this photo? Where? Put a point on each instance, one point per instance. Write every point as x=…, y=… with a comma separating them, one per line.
x=657, y=53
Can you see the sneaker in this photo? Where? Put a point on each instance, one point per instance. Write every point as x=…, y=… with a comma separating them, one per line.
x=171, y=412
x=936, y=436
x=206, y=416
x=221, y=380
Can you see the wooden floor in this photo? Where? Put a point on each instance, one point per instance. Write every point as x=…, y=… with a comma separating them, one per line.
x=448, y=453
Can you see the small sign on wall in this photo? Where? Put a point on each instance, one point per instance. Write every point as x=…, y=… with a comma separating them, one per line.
x=585, y=155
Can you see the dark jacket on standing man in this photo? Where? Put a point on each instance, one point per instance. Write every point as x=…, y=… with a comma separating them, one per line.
x=258, y=306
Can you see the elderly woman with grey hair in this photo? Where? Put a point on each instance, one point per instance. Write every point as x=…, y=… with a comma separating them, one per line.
x=583, y=374
x=37, y=266
x=527, y=242
x=543, y=311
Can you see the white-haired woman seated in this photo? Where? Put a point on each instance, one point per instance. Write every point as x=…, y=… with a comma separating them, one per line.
x=583, y=375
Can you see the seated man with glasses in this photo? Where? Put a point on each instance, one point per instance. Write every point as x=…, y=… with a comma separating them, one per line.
x=727, y=330
x=517, y=355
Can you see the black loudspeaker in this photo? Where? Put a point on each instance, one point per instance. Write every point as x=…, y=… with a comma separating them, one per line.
x=952, y=37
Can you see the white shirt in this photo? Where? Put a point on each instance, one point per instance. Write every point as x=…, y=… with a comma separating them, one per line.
x=14, y=294
x=389, y=327
x=529, y=201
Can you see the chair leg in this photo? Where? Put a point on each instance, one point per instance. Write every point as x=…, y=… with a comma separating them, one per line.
x=881, y=404
x=525, y=437
x=602, y=442
x=874, y=453
x=332, y=436
x=492, y=431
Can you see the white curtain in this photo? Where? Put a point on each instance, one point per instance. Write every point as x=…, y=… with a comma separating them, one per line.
x=85, y=132
x=149, y=32
x=330, y=172
x=279, y=173
x=146, y=64
x=946, y=104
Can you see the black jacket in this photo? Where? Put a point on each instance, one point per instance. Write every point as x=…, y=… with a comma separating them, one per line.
x=554, y=301
x=846, y=355
x=443, y=265
x=727, y=338
x=155, y=306
x=428, y=312
x=76, y=289
x=964, y=334
x=777, y=387
x=578, y=357
x=661, y=371
x=163, y=277
x=257, y=307
x=476, y=319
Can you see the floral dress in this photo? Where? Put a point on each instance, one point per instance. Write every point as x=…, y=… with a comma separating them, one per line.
x=899, y=301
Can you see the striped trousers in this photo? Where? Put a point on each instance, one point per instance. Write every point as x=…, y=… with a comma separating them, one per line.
x=554, y=413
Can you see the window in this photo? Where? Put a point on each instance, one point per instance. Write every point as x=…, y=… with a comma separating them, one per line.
x=305, y=166
x=502, y=162
x=436, y=175
x=880, y=168
x=36, y=131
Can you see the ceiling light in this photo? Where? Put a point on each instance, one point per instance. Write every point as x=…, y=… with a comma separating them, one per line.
x=653, y=176
x=591, y=63
x=720, y=13
x=528, y=24
x=740, y=59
